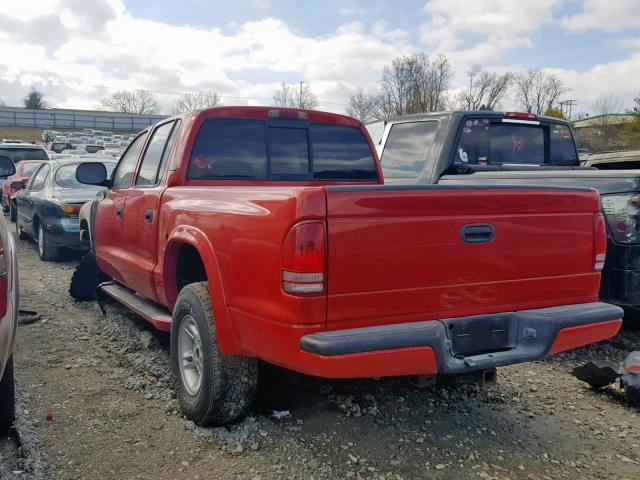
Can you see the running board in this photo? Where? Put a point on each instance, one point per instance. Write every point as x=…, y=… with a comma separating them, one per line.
x=148, y=310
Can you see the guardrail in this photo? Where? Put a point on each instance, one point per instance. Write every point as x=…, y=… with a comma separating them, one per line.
x=75, y=119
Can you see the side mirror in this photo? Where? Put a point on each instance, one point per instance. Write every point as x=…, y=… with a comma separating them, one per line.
x=92, y=173
x=7, y=168
x=17, y=185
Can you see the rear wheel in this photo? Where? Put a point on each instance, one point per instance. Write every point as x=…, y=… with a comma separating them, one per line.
x=7, y=397
x=86, y=279
x=12, y=212
x=47, y=251
x=213, y=388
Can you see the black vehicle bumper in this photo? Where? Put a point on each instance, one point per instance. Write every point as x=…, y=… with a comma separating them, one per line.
x=621, y=275
x=64, y=232
x=467, y=344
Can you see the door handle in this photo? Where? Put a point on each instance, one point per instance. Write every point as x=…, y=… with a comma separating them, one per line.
x=148, y=215
x=119, y=212
x=477, y=233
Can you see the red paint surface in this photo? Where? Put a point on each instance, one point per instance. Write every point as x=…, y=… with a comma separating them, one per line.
x=392, y=256
x=7, y=191
x=574, y=337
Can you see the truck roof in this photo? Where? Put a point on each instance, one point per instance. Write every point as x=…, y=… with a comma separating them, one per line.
x=277, y=112
x=484, y=113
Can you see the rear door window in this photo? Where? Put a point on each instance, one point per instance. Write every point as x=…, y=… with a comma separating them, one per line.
x=153, y=155
x=407, y=149
x=127, y=165
x=247, y=148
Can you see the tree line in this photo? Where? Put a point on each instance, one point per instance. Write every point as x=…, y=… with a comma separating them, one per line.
x=418, y=83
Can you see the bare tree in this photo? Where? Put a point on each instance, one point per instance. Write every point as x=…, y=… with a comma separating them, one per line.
x=362, y=106
x=137, y=101
x=414, y=84
x=295, y=96
x=537, y=91
x=486, y=89
x=608, y=130
x=195, y=101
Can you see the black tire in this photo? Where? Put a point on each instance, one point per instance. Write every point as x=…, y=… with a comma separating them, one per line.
x=19, y=231
x=86, y=279
x=12, y=212
x=228, y=383
x=7, y=397
x=47, y=251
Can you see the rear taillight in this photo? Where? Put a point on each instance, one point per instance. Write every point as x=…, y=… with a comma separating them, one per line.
x=599, y=242
x=623, y=216
x=303, y=259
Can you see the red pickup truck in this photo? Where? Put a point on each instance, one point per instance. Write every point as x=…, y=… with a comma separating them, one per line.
x=267, y=233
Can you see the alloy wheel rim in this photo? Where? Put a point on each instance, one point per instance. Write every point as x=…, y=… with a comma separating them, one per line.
x=40, y=240
x=190, y=355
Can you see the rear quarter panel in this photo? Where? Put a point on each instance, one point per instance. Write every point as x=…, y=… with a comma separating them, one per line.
x=239, y=232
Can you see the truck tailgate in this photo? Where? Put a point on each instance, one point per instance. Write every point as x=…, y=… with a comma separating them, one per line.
x=408, y=253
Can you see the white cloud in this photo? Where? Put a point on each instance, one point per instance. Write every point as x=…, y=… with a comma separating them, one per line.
x=117, y=50
x=604, y=15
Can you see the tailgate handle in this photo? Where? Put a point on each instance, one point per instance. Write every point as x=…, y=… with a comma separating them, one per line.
x=477, y=233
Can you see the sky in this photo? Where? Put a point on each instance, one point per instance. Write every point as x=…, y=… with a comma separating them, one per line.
x=77, y=52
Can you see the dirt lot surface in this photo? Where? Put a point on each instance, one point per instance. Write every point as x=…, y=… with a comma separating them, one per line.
x=95, y=402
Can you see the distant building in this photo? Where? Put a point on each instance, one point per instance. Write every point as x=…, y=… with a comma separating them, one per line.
x=599, y=120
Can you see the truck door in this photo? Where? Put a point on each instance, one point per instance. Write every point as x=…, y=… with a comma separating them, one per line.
x=109, y=214
x=139, y=240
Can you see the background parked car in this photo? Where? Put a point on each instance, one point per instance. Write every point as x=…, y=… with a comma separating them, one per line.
x=18, y=152
x=9, y=188
x=58, y=147
x=47, y=209
x=8, y=313
x=90, y=148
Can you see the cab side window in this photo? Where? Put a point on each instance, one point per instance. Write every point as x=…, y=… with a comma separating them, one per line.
x=39, y=179
x=127, y=165
x=155, y=154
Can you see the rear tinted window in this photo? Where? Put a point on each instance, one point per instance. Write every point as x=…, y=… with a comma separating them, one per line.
x=342, y=153
x=289, y=151
x=19, y=154
x=562, y=149
x=486, y=141
x=407, y=149
x=237, y=148
x=230, y=149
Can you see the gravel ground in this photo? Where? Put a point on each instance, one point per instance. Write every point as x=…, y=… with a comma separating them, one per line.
x=95, y=402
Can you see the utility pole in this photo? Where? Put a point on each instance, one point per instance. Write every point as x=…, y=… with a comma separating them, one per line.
x=566, y=107
x=300, y=97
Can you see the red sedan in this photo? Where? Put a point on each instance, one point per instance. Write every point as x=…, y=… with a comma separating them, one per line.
x=24, y=170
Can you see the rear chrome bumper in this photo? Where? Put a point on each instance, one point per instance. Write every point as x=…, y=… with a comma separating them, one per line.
x=458, y=345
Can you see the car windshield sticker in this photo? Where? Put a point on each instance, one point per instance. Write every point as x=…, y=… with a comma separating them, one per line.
x=518, y=143
x=463, y=155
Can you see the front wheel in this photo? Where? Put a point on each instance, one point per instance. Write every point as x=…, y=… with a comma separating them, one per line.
x=213, y=388
x=86, y=278
x=7, y=397
x=47, y=251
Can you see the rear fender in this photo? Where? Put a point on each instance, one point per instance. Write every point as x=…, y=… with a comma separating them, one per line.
x=184, y=234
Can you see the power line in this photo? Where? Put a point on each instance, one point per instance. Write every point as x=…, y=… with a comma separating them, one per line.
x=159, y=92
